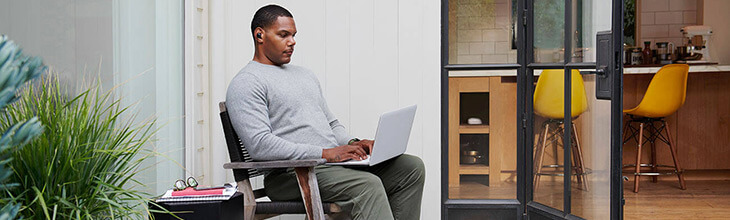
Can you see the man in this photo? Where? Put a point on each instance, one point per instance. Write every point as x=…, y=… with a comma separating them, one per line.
x=279, y=112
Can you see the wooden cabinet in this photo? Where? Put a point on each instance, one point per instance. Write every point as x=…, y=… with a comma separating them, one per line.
x=493, y=101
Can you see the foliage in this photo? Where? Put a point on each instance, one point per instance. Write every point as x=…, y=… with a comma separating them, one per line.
x=15, y=70
x=84, y=163
x=630, y=22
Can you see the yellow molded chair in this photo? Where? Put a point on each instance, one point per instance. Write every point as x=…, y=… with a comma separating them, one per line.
x=665, y=94
x=548, y=102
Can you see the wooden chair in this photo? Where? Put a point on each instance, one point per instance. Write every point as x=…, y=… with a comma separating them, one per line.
x=245, y=168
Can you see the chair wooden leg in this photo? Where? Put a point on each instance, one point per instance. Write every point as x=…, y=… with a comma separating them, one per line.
x=581, y=162
x=310, y=192
x=638, y=158
x=672, y=148
x=249, y=200
x=539, y=155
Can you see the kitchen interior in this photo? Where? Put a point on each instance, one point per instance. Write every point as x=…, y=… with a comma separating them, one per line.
x=482, y=108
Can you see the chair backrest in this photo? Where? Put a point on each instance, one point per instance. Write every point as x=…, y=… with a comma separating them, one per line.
x=666, y=92
x=549, y=94
x=236, y=151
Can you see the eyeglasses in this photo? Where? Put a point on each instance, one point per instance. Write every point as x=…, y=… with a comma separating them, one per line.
x=182, y=185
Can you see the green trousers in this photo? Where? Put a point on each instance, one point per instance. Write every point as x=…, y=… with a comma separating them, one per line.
x=390, y=190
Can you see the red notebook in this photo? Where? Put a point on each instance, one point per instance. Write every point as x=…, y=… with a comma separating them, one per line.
x=194, y=192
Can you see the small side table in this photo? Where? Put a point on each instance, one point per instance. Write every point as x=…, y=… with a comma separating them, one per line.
x=202, y=210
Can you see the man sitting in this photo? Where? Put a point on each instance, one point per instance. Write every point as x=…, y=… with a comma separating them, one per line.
x=279, y=112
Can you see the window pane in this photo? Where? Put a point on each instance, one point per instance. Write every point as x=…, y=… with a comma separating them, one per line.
x=482, y=31
x=136, y=44
x=482, y=135
x=548, y=31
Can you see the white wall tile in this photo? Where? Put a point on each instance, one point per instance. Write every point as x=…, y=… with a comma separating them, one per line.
x=674, y=17
x=682, y=5
x=495, y=58
x=654, y=5
x=647, y=18
x=689, y=17
x=469, y=58
x=652, y=31
x=481, y=48
x=496, y=35
x=463, y=48
x=469, y=35
x=502, y=47
x=674, y=30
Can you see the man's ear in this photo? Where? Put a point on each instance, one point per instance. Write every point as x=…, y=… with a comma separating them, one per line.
x=259, y=35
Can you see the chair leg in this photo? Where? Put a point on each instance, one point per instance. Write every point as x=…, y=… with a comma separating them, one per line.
x=677, y=169
x=581, y=162
x=310, y=192
x=653, y=161
x=249, y=200
x=539, y=155
x=638, y=158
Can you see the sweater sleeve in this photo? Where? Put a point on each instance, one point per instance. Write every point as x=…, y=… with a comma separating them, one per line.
x=247, y=105
x=338, y=129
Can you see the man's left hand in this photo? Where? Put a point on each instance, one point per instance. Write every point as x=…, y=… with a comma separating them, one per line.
x=366, y=145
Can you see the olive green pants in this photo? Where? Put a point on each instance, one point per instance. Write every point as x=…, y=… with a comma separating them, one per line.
x=390, y=190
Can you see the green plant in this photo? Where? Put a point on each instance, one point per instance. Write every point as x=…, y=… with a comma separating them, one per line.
x=15, y=70
x=84, y=163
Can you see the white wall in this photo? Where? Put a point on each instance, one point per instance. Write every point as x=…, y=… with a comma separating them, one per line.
x=716, y=16
x=370, y=56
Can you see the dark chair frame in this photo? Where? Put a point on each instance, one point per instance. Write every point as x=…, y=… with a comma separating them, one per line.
x=244, y=168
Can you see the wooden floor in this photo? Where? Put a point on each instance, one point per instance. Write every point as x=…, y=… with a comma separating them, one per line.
x=707, y=197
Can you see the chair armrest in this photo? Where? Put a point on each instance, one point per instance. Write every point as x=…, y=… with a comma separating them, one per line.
x=275, y=164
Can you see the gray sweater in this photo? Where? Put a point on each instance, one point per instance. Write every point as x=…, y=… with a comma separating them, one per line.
x=279, y=113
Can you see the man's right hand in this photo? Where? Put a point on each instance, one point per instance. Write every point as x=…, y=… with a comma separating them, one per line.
x=343, y=153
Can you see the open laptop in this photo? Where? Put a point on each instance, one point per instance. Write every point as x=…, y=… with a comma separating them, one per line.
x=391, y=138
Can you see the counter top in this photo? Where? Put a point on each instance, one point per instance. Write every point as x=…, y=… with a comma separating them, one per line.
x=631, y=70
x=692, y=69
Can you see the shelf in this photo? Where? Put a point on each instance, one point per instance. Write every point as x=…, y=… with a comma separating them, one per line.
x=474, y=129
x=474, y=169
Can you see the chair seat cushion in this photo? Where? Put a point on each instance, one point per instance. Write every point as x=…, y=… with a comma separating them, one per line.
x=291, y=207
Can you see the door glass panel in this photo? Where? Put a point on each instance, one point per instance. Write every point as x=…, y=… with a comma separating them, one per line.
x=548, y=138
x=591, y=187
x=482, y=135
x=482, y=31
x=549, y=34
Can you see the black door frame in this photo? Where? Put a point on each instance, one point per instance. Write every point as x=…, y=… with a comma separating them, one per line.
x=525, y=63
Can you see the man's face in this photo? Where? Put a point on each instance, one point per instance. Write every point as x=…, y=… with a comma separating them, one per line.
x=278, y=41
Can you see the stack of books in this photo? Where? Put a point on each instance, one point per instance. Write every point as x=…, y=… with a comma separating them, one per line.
x=198, y=194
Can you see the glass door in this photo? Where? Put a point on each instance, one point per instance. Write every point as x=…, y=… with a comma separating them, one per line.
x=573, y=109
x=549, y=64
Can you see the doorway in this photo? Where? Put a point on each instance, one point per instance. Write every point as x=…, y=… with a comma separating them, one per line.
x=531, y=131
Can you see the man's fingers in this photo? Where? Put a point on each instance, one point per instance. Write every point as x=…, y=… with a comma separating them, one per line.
x=360, y=153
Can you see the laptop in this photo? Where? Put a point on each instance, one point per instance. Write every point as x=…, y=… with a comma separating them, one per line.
x=391, y=138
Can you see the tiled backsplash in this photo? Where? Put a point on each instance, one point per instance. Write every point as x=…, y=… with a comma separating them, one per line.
x=482, y=32
x=661, y=20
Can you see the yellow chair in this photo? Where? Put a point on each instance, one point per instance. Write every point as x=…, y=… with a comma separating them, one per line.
x=548, y=102
x=665, y=94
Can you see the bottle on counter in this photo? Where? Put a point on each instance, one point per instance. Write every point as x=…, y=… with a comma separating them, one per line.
x=635, y=56
x=646, y=55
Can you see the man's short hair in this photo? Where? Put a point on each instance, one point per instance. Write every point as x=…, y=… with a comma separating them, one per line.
x=266, y=16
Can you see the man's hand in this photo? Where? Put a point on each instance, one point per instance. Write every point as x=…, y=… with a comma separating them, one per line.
x=344, y=152
x=367, y=145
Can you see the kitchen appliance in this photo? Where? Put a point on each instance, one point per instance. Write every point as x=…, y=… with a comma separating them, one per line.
x=698, y=43
x=664, y=52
